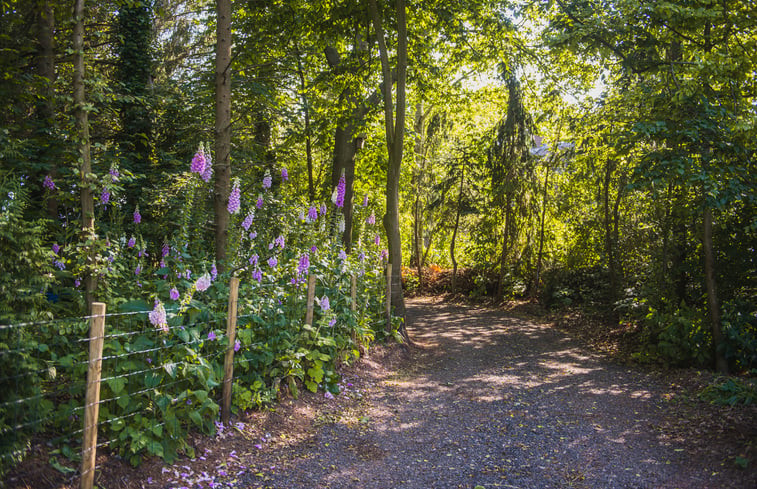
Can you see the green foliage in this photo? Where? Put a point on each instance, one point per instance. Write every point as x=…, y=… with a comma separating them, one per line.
x=731, y=391
x=28, y=272
x=575, y=287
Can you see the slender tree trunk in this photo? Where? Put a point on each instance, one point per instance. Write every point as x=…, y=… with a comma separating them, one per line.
x=609, y=244
x=46, y=70
x=395, y=131
x=346, y=145
x=454, y=230
x=535, y=290
x=418, y=179
x=712, y=296
x=505, y=249
x=81, y=117
x=222, y=130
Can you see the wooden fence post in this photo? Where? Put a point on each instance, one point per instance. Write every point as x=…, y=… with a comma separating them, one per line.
x=311, y=299
x=228, y=363
x=92, y=399
x=388, y=297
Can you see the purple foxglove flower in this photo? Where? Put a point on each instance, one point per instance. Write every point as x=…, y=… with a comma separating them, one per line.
x=207, y=174
x=198, y=162
x=342, y=255
x=371, y=219
x=203, y=283
x=142, y=252
x=365, y=201
x=234, y=198
x=377, y=240
x=323, y=209
x=384, y=254
x=267, y=180
x=314, y=249
x=253, y=235
x=59, y=265
x=248, y=221
x=211, y=336
x=312, y=214
x=165, y=250
x=324, y=303
x=77, y=283
x=361, y=256
x=280, y=242
x=340, y=190
x=270, y=245
x=131, y=242
x=259, y=203
x=138, y=270
x=56, y=248
x=174, y=293
x=48, y=183
x=137, y=216
x=272, y=262
x=332, y=322
x=114, y=174
x=162, y=264
x=237, y=345
x=213, y=272
x=158, y=317
x=105, y=196
x=304, y=264
x=257, y=274
x=284, y=174
x=187, y=274
x=254, y=260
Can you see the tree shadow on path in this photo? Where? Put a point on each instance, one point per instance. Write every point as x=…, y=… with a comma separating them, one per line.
x=492, y=400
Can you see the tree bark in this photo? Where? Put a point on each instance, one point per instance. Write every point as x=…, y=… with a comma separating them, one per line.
x=81, y=117
x=505, y=249
x=535, y=290
x=346, y=145
x=222, y=130
x=454, y=230
x=417, y=180
x=609, y=244
x=721, y=365
x=395, y=131
x=46, y=104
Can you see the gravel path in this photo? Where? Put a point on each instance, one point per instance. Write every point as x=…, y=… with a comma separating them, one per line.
x=494, y=401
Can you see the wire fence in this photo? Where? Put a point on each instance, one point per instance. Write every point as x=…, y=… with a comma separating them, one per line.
x=146, y=389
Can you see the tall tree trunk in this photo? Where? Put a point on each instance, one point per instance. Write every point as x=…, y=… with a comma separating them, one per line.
x=346, y=145
x=535, y=290
x=609, y=244
x=454, y=230
x=505, y=248
x=222, y=129
x=417, y=180
x=81, y=117
x=712, y=296
x=395, y=132
x=46, y=103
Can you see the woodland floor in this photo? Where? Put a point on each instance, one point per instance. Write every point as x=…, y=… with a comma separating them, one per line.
x=487, y=398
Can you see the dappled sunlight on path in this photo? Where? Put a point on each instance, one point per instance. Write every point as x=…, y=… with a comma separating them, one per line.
x=492, y=400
